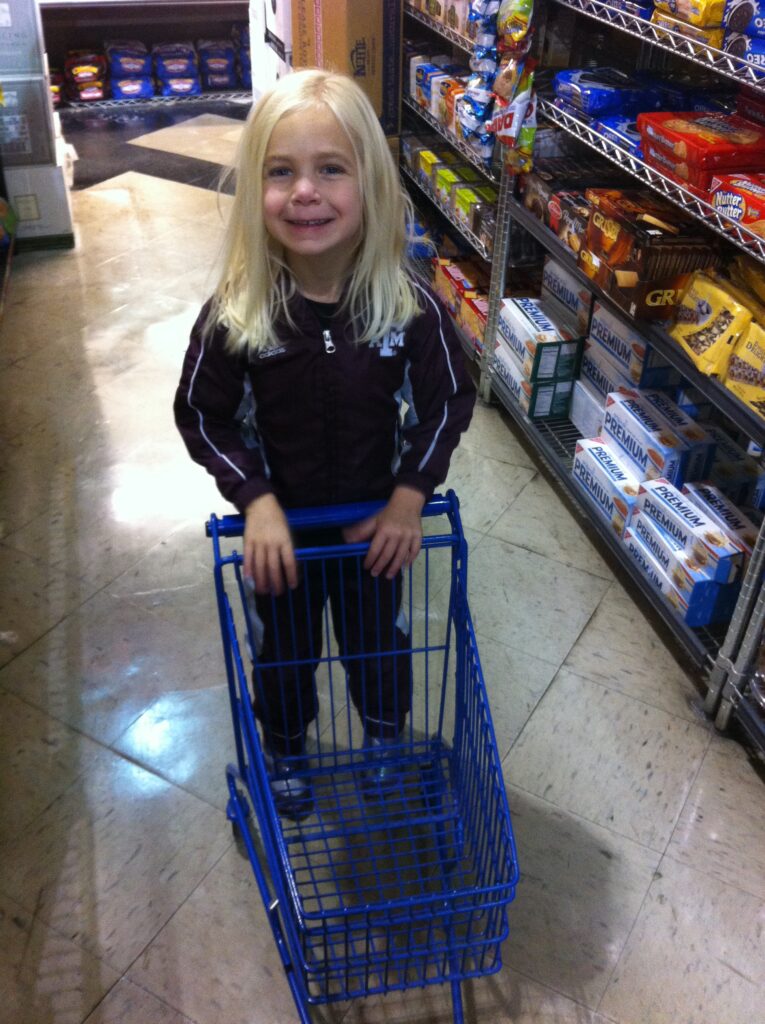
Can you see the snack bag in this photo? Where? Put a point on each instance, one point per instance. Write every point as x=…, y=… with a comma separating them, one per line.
x=745, y=375
x=513, y=22
x=696, y=12
x=709, y=323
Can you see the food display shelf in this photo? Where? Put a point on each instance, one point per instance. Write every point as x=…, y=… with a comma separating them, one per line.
x=462, y=148
x=739, y=414
x=708, y=57
x=751, y=721
x=473, y=240
x=442, y=30
x=554, y=441
x=732, y=232
x=206, y=97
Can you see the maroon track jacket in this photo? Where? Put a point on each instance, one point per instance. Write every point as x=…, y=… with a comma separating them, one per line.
x=316, y=420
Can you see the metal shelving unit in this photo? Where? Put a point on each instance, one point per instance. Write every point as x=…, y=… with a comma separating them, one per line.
x=738, y=413
x=450, y=138
x=712, y=219
x=555, y=441
x=205, y=97
x=473, y=240
x=707, y=57
x=465, y=44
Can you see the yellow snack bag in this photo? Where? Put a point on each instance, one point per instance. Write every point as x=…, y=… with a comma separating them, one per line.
x=745, y=375
x=709, y=323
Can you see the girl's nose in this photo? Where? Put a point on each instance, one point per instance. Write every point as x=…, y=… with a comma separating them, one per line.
x=305, y=189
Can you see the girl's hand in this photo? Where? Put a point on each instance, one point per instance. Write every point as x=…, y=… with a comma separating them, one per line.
x=269, y=557
x=395, y=533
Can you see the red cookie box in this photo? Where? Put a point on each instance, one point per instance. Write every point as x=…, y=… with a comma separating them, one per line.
x=741, y=197
x=705, y=139
x=697, y=180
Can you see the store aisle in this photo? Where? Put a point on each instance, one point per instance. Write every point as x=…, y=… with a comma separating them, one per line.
x=641, y=833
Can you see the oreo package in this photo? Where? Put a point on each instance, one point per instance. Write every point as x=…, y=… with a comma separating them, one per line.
x=190, y=86
x=131, y=88
x=216, y=56
x=174, y=60
x=745, y=48
x=746, y=17
x=623, y=131
x=602, y=91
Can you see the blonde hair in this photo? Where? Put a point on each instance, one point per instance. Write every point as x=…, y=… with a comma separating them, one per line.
x=256, y=284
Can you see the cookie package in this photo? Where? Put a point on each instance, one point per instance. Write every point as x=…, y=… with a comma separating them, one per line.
x=706, y=140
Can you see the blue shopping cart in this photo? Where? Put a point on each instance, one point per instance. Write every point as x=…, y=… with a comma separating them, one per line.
x=394, y=878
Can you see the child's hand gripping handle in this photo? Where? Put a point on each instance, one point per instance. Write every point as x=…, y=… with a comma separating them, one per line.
x=269, y=556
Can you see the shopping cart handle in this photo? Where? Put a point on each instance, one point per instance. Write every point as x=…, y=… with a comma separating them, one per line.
x=330, y=515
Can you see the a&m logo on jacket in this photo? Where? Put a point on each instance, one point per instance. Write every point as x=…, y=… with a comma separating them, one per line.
x=388, y=343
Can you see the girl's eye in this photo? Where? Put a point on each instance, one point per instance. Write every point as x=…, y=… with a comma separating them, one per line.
x=332, y=169
x=278, y=172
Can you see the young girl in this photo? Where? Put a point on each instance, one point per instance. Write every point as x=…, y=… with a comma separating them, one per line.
x=292, y=384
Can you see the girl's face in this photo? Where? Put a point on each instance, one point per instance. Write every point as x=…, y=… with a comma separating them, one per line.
x=311, y=195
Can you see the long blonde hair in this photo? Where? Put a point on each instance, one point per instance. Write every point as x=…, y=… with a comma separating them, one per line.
x=256, y=284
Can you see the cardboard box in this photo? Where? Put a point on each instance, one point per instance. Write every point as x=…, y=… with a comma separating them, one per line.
x=26, y=122
x=601, y=373
x=21, y=38
x=538, y=399
x=644, y=367
x=700, y=443
x=606, y=480
x=587, y=410
x=41, y=200
x=559, y=283
x=543, y=336
x=362, y=40
x=647, y=442
x=700, y=537
x=714, y=504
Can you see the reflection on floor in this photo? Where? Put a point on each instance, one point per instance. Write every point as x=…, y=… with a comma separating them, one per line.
x=641, y=833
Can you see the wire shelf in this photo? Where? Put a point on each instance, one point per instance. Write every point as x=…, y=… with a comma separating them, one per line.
x=456, y=143
x=732, y=232
x=473, y=240
x=708, y=57
x=555, y=441
x=154, y=101
x=442, y=30
x=723, y=399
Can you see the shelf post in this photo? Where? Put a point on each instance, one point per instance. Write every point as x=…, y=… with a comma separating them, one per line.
x=498, y=272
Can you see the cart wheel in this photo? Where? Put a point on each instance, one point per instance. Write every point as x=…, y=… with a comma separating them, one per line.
x=722, y=719
x=239, y=840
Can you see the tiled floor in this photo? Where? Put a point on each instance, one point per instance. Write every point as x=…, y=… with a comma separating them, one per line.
x=122, y=897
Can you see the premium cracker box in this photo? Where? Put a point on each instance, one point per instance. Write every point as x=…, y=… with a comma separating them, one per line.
x=645, y=367
x=543, y=337
x=713, y=503
x=650, y=446
x=587, y=410
x=606, y=480
x=701, y=537
x=538, y=399
x=559, y=283
x=700, y=442
x=601, y=373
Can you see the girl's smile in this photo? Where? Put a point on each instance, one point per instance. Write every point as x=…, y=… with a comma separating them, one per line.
x=311, y=195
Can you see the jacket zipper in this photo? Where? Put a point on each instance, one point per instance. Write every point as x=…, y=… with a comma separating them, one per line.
x=329, y=345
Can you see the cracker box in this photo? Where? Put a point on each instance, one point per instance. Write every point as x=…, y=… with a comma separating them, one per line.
x=601, y=373
x=606, y=480
x=712, y=502
x=538, y=399
x=453, y=280
x=700, y=443
x=696, y=612
x=735, y=472
x=643, y=366
x=649, y=445
x=543, y=337
x=474, y=311
x=587, y=410
x=688, y=576
x=701, y=537
x=693, y=402
x=559, y=283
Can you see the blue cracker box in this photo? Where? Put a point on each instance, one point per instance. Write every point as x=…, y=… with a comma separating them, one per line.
x=740, y=477
x=700, y=441
x=538, y=399
x=701, y=538
x=543, y=336
x=693, y=402
x=559, y=283
x=607, y=481
x=714, y=504
x=645, y=367
x=650, y=446
x=132, y=88
x=623, y=131
x=601, y=373
x=700, y=611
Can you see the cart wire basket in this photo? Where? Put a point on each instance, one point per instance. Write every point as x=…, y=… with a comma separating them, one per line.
x=401, y=870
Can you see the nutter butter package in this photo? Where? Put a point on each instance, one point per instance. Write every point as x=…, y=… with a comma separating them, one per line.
x=741, y=198
x=538, y=399
x=696, y=609
x=649, y=445
x=701, y=537
x=708, y=36
x=543, y=336
x=695, y=12
x=606, y=479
